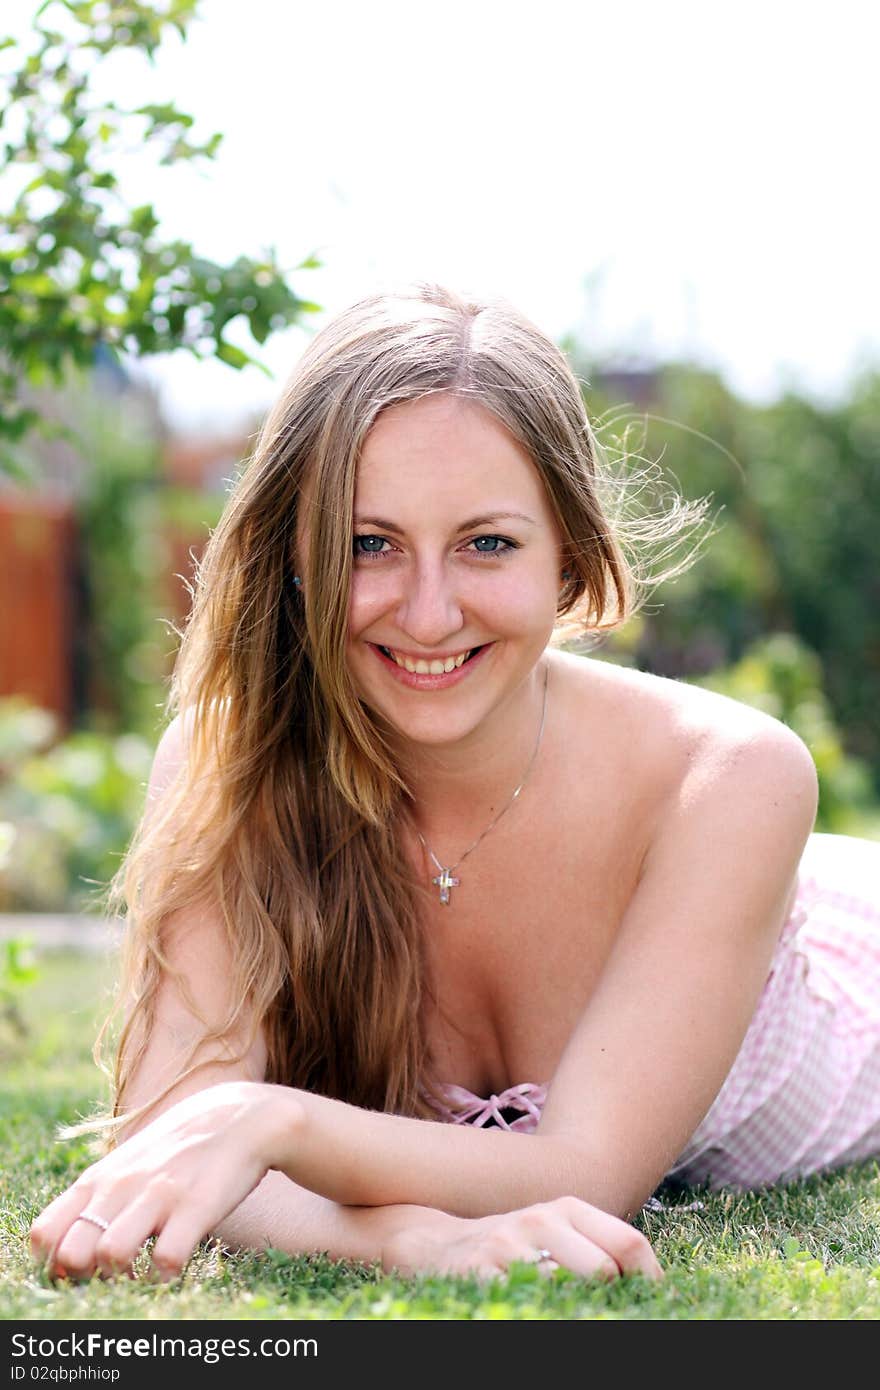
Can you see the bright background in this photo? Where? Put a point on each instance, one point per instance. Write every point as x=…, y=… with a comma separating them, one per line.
x=682, y=180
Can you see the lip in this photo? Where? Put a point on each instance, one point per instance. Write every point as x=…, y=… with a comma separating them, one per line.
x=428, y=682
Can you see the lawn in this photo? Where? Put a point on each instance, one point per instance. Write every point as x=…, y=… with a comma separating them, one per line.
x=811, y=1250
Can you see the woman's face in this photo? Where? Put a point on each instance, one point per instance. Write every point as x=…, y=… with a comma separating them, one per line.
x=455, y=548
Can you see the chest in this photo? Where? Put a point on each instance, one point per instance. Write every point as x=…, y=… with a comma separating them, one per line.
x=516, y=953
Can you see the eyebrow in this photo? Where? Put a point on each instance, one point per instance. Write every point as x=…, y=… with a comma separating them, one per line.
x=488, y=520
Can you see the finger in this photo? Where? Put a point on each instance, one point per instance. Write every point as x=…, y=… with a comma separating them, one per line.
x=545, y=1266
x=628, y=1248
x=487, y=1273
x=55, y=1220
x=66, y=1240
x=572, y=1250
x=194, y=1211
x=178, y=1238
x=119, y=1246
x=74, y=1252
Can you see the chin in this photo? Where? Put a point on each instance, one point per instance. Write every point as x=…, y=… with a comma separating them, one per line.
x=433, y=726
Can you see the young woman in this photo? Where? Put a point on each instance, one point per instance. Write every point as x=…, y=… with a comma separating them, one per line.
x=414, y=883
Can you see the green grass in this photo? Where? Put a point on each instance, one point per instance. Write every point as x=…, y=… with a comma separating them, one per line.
x=811, y=1250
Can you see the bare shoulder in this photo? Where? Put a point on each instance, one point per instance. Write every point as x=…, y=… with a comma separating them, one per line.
x=171, y=754
x=168, y=759
x=668, y=733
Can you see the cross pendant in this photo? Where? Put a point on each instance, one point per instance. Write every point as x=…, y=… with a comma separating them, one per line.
x=445, y=881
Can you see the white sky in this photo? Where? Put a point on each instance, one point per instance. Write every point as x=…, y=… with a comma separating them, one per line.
x=677, y=178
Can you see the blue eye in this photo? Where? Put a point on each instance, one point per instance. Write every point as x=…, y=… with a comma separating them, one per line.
x=368, y=550
x=371, y=547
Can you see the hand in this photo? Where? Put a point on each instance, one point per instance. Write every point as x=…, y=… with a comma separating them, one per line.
x=578, y=1236
x=177, y=1178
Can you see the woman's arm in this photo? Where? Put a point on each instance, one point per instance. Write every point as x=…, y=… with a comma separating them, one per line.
x=278, y=1212
x=657, y=1039
x=182, y=1176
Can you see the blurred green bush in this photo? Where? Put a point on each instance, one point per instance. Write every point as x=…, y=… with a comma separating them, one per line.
x=782, y=677
x=795, y=489
x=125, y=646
x=67, y=809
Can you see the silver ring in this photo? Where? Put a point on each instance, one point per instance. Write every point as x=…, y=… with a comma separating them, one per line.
x=542, y=1255
x=94, y=1220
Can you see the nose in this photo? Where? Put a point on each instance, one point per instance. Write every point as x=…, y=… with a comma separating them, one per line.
x=429, y=610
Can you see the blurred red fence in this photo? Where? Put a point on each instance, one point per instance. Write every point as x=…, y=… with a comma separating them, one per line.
x=39, y=600
x=47, y=647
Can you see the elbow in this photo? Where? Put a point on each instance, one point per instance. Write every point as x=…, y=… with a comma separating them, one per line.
x=790, y=772
x=805, y=784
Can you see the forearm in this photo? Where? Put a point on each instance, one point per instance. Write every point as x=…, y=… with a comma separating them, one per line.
x=367, y=1158
x=281, y=1214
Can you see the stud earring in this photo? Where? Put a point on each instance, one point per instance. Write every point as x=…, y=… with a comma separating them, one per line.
x=297, y=581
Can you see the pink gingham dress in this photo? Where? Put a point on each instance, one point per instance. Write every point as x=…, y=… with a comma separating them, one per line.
x=803, y=1093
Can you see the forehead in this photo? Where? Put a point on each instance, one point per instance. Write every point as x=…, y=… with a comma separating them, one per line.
x=444, y=445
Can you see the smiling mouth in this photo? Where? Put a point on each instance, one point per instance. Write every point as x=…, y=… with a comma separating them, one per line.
x=430, y=668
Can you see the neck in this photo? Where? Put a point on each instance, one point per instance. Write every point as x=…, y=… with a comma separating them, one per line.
x=457, y=789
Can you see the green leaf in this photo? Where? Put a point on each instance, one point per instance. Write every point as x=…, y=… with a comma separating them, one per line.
x=233, y=356
x=143, y=220
x=164, y=115
x=96, y=250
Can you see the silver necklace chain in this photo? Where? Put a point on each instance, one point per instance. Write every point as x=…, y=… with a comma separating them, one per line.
x=444, y=879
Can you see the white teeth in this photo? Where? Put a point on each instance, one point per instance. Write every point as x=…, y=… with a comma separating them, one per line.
x=429, y=668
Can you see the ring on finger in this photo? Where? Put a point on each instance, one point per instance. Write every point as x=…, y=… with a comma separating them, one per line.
x=93, y=1219
x=541, y=1255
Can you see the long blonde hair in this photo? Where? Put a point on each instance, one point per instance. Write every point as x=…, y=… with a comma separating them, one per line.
x=289, y=805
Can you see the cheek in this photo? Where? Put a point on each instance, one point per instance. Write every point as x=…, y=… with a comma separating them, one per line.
x=367, y=602
x=522, y=601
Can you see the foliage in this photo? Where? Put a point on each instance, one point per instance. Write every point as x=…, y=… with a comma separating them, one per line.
x=819, y=488
x=780, y=676
x=805, y=1251
x=128, y=521
x=80, y=271
x=190, y=509
x=18, y=971
x=123, y=649
x=73, y=805
x=796, y=496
